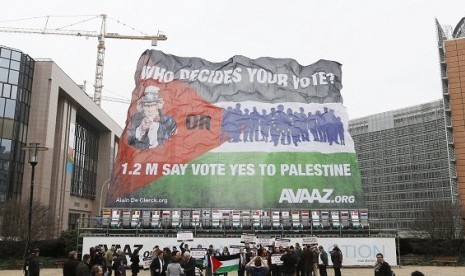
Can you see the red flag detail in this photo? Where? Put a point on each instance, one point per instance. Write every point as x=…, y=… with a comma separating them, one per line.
x=198, y=130
x=215, y=264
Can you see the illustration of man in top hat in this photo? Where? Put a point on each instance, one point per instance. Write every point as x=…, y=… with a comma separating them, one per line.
x=149, y=127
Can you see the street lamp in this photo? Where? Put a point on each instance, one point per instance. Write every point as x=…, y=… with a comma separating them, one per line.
x=106, y=183
x=33, y=150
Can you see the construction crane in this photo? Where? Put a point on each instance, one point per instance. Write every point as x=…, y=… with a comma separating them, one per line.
x=101, y=35
x=118, y=99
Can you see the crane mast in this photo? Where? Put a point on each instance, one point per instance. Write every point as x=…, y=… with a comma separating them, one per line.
x=100, y=35
x=98, y=85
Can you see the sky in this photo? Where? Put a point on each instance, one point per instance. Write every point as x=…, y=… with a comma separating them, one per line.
x=388, y=49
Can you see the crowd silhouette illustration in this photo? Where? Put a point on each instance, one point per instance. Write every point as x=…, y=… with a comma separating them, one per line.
x=281, y=126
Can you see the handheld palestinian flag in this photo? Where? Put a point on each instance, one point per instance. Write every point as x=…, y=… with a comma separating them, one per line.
x=223, y=264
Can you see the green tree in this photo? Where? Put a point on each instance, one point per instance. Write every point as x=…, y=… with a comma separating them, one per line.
x=68, y=239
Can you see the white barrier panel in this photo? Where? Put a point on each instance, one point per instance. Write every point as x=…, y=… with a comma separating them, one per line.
x=356, y=251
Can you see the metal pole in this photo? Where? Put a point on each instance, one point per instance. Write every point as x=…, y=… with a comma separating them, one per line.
x=105, y=183
x=33, y=149
x=29, y=223
x=77, y=236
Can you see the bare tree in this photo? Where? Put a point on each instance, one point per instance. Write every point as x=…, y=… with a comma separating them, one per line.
x=14, y=216
x=438, y=220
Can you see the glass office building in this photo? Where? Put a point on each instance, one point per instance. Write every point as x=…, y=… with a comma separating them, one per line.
x=39, y=103
x=16, y=74
x=404, y=158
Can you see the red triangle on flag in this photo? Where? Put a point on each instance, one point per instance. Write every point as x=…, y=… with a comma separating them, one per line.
x=215, y=263
x=180, y=101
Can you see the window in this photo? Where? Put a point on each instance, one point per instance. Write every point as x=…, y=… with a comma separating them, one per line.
x=3, y=74
x=83, y=181
x=13, y=78
x=6, y=53
x=73, y=219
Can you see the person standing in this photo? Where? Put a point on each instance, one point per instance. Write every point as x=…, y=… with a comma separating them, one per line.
x=168, y=256
x=242, y=262
x=109, y=255
x=382, y=268
x=174, y=268
x=314, y=250
x=336, y=259
x=184, y=247
x=119, y=263
x=83, y=268
x=188, y=264
x=289, y=263
x=207, y=262
x=97, y=257
x=310, y=260
x=69, y=268
x=157, y=267
x=31, y=265
x=257, y=267
x=135, y=262
x=322, y=261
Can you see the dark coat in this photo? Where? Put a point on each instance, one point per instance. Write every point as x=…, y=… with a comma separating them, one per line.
x=383, y=270
x=336, y=258
x=82, y=269
x=156, y=268
x=309, y=257
x=189, y=267
x=324, y=257
x=32, y=266
x=69, y=268
x=119, y=265
x=135, y=263
x=289, y=263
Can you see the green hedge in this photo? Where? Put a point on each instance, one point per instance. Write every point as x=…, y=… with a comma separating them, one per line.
x=434, y=248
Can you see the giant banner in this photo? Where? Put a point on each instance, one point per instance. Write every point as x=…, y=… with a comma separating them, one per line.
x=243, y=134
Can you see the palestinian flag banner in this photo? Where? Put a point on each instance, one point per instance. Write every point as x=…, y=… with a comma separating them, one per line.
x=223, y=264
x=249, y=133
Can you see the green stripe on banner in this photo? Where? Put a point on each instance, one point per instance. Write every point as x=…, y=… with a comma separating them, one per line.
x=300, y=180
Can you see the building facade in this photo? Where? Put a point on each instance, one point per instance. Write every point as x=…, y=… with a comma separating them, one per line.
x=451, y=49
x=16, y=73
x=47, y=107
x=405, y=164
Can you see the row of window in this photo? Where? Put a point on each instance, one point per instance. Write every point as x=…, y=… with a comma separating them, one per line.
x=398, y=131
x=416, y=176
x=406, y=195
x=83, y=181
x=12, y=92
x=405, y=168
x=382, y=152
x=406, y=186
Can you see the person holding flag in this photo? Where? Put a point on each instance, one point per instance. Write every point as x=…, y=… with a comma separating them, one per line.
x=224, y=263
